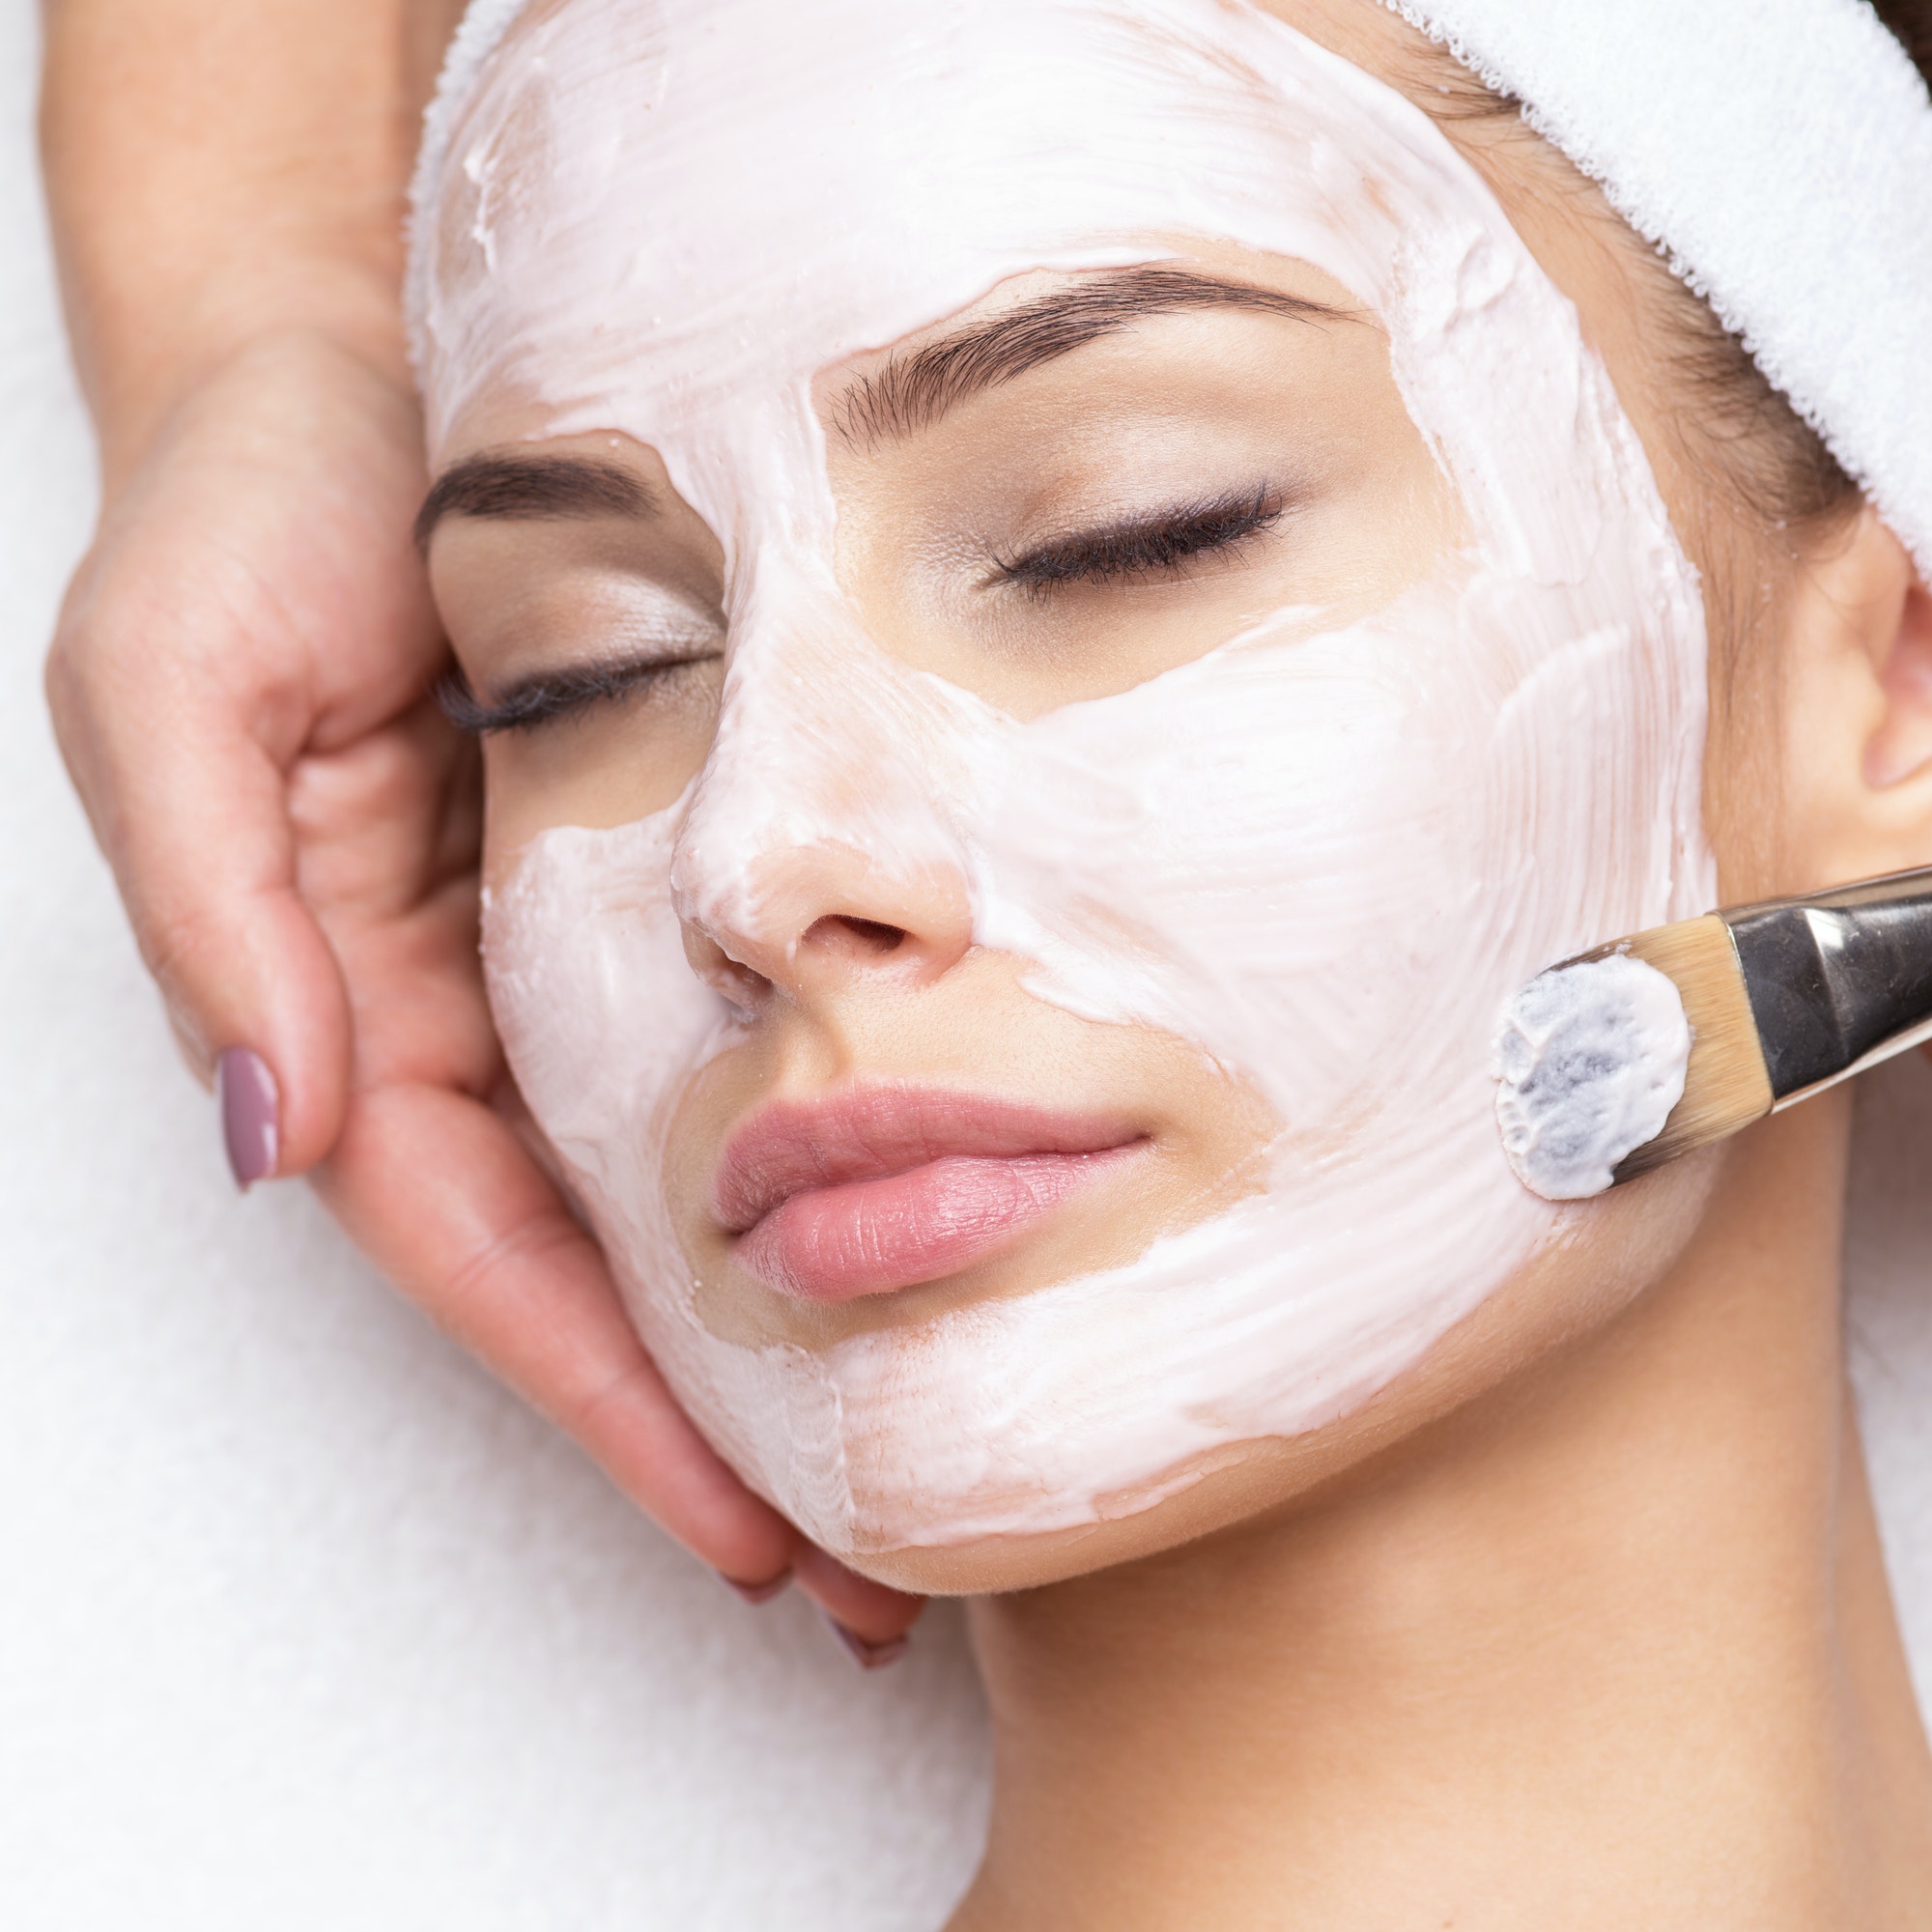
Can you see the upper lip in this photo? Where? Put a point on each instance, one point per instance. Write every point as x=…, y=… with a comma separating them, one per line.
x=866, y=1133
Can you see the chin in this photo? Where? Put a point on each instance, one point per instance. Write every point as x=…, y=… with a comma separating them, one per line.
x=1625, y=1245
x=1241, y=1485
x=997, y=1565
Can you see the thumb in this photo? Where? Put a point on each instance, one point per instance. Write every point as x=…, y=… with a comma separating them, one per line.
x=192, y=815
x=251, y=593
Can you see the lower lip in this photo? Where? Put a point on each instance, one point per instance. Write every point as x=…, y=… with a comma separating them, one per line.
x=870, y=1236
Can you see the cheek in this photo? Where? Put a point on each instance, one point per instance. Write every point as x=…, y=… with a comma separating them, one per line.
x=601, y=1015
x=1328, y=862
x=616, y=763
x=1297, y=854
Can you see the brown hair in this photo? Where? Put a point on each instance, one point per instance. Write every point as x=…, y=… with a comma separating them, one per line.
x=1779, y=469
x=1912, y=21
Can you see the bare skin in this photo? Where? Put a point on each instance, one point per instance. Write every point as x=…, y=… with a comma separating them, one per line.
x=1612, y=1646
x=1583, y=1622
x=1600, y=1641
x=240, y=687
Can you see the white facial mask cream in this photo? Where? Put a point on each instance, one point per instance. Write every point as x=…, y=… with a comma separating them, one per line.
x=1326, y=859
x=1591, y=1061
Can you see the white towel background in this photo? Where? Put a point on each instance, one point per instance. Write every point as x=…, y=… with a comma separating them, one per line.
x=303, y=1623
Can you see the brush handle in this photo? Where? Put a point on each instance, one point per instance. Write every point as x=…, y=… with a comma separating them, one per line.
x=1838, y=980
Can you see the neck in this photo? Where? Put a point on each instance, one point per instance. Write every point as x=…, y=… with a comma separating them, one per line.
x=1611, y=1647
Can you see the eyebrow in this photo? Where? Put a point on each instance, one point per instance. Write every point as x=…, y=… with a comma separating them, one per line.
x=912, y=392
x=532, y=489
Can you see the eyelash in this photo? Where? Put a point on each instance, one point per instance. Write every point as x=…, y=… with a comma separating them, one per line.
x=540, y=700
x=1160, y=543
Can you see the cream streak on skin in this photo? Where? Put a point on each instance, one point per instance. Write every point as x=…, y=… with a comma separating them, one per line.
x=1338, y=854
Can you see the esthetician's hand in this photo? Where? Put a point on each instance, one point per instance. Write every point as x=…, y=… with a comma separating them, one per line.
x=239, y=685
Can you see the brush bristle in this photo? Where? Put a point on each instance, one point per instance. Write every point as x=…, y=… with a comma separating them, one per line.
x=1726, y=1085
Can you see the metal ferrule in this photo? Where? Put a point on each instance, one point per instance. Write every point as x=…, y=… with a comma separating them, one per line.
x=1839, y=979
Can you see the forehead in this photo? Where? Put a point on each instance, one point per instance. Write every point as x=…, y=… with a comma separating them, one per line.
x=738, y=193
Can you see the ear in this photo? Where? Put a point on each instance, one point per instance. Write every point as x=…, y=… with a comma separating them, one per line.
x=1857, y=727
x=1901, y=748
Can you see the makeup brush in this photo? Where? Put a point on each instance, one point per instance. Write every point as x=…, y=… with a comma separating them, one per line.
x=1603, y=1077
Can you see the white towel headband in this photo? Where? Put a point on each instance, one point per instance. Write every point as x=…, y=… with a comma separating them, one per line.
x=1779, y=151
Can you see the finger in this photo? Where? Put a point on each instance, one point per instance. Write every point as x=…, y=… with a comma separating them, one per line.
x=193, y=820
x=439, y=1193
x=251, y=594
x=874, y=1613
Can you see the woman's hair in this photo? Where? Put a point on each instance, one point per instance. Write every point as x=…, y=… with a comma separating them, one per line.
x=1912, y=21
x=1777, y=465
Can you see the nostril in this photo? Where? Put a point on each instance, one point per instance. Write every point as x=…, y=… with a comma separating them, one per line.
x=880, y=938
x=741, y=986
x=865, y=936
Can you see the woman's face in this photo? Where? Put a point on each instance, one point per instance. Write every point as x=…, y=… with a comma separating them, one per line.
x=1065, y=616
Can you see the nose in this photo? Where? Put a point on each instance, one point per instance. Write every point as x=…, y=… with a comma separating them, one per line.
x=821, y=921
x=819, y=852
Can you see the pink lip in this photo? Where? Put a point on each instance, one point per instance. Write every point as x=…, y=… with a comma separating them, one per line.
x=879, y=1188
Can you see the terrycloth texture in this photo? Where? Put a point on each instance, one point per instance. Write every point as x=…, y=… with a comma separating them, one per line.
x=1779, y=153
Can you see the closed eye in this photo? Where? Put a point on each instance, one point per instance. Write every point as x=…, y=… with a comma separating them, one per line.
x=1157, y=544
x=546, y=696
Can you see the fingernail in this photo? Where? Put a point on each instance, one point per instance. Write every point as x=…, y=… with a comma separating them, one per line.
x=250, y=1105
x=756, y=1593
x=868, y=1656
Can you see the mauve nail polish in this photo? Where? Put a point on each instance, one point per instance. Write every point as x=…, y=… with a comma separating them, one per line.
x=250, y=1104
x=868, y=1656
x=756, y=1593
